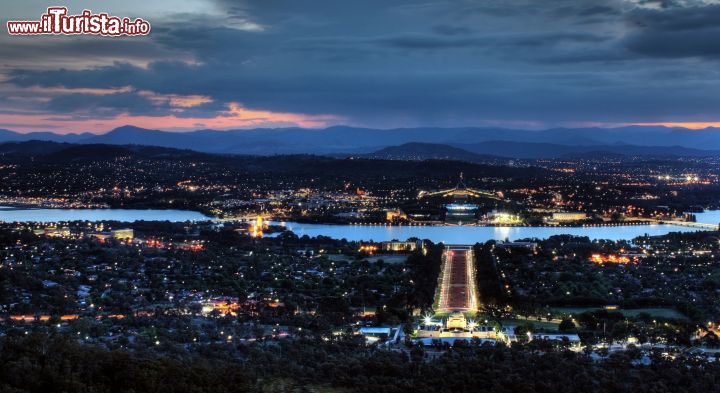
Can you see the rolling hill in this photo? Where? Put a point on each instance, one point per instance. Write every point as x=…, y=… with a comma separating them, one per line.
x=352, y=140
x=431, y=151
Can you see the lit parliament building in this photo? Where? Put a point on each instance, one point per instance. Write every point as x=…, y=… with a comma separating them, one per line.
x=461, y=211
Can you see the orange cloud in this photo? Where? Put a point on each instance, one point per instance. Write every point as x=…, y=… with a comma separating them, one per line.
x=236, y=116
x=694, y=125
x=175, y=100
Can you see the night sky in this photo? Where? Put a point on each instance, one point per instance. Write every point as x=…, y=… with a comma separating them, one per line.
x=373, y=63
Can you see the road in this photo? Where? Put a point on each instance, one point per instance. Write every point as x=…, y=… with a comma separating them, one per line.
x=458, y=291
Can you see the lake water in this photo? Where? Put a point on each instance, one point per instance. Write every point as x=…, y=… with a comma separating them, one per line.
x=447, y=234
x=708, y=217
x=9, y=214
x=471, y=235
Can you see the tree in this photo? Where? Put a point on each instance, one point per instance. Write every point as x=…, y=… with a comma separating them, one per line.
x=566, y=325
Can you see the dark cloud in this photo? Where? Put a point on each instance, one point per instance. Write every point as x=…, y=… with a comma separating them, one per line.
x=112, y=76
x=399, y=63
x=693, y=43
x=452, y=30
x=664, y=4
x=102, y=106
x=81, y=51
x=599, y=10
x=676, y=33
x=691, y=18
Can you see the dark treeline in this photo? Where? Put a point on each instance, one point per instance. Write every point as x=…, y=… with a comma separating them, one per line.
x=40, y=364
x=426, y=270
x=35, y=153
x=489, y=284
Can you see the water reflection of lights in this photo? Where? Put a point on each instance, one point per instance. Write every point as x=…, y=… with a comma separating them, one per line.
x=503, y=232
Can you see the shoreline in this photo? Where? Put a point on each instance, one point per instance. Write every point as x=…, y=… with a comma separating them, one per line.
x=15, y=207
x=411, y=225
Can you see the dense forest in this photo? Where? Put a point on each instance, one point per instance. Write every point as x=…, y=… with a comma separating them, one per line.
x=38, y=363
x=426, y=269
x=486, y=274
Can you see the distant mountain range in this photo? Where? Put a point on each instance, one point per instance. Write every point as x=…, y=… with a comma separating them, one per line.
x=501, y=151
x=633, y=140
x=57, y=152
x=549, y=150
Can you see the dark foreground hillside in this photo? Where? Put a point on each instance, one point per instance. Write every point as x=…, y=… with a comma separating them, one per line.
x=38, y=364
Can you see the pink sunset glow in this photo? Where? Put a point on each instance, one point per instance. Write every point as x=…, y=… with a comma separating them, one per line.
x=236, y=116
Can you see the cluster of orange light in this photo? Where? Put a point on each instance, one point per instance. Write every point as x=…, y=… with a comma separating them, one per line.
x=275, y=304
x=195, y=247
x=154, y=243
x=111, y=316
x=256, y=229
x=712, y=327
x=368, y=248
x=599, y=258
x=41, y=318
x=226, y=308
